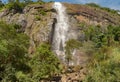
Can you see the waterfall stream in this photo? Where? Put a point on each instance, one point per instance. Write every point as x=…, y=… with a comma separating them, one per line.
x=61, y=30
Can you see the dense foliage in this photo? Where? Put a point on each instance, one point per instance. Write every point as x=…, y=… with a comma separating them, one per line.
x=1, y=4
x=103, y=36
x=17, y=6
x=104, y=65
x=44, y=63
x=16, y=64
x=13, y=50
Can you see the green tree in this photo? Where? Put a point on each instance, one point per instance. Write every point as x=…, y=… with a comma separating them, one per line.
x=44, y=63
x=116, y=32
x=104, y=66
x=13, y=48
x=18, y=7
x=1, y=4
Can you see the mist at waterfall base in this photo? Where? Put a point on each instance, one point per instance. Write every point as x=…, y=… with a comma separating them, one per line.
x=61, y=31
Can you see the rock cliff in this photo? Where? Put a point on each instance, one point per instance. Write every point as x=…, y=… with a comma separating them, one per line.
x=38, y=22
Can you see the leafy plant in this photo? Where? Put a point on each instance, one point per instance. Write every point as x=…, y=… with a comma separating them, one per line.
x=17, y=6
x=42, y=12
x=13, y=47
x=37, y=17
x=104, y=67
x=44, y=63
x=1, y=4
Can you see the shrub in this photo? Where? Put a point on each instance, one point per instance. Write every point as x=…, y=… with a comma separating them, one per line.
x=44, y=63
x=37, y=17
x=41, y=2
x=42, y=12
x=13, y=47
x=1, y=4
x=104, y=66
x=17, y=6
x=93, y=4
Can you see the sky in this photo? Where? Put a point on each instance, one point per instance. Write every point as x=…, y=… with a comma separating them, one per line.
x=113, y=4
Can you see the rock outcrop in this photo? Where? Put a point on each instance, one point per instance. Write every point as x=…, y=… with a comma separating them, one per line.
x=36, y=21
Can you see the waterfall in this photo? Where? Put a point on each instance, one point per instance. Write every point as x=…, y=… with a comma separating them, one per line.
x=60, y=31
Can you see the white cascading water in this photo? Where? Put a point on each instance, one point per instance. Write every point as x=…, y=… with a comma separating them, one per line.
x=61, y=30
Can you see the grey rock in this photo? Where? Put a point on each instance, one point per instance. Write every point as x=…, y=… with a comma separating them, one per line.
x=22, y=20
x=4, y=13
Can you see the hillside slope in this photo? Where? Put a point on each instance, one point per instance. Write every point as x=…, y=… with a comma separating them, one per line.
x=96, y=29
x=37, y=21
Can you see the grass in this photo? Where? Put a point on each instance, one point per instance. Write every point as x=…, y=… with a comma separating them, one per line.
x=104, y=66
x=37, y=17
x=42, y=12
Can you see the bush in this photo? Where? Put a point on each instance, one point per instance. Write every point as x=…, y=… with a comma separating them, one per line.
x=1, y=4
x=37, y=17
x=102, y=37
x=104, y=66
x=42, y=12
x=41, y=2
x=17, y=6
x=13, y=48
x=93, y=4
x=16, y=65
x=44, y=63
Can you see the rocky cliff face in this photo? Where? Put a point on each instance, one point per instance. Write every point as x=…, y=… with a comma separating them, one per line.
x=38, y=22
x=93, y=15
